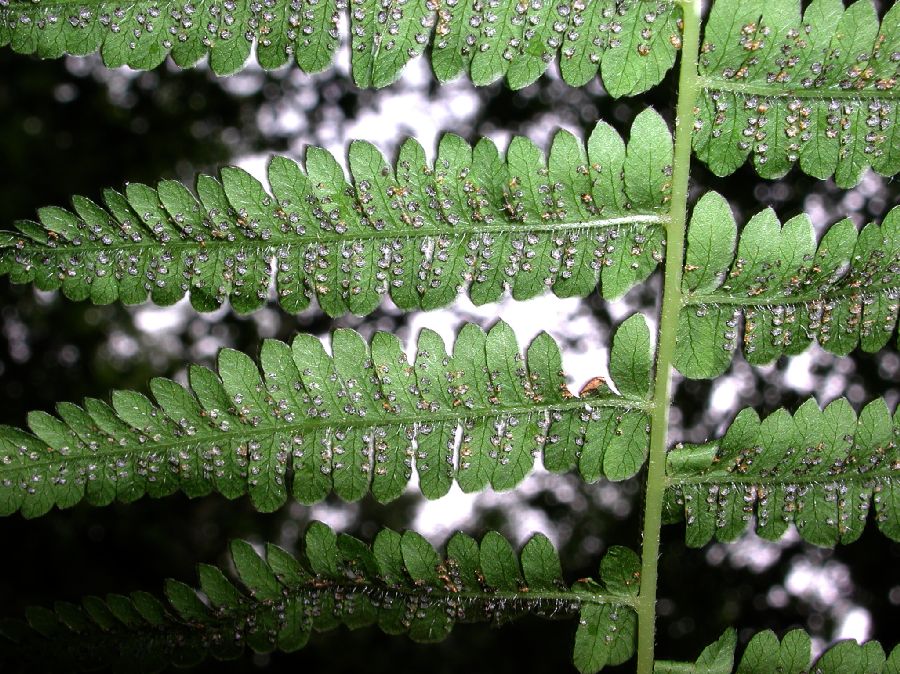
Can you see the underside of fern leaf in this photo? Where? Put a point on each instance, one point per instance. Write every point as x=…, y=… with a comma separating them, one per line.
x=779, y=292
x=821, y=90
x=791, y=654
x=421, y=232
x=399, y=583
x=310, y=424
x=631, y=42
x=818, y=89
x=819, y=469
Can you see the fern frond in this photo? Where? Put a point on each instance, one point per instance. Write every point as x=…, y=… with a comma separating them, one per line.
x=420, y=233
x=819, y=469
x=399, y=583
x=309, y=423
x=782, y=289
x=631, y=42
x=820, y=90
x=791, y=655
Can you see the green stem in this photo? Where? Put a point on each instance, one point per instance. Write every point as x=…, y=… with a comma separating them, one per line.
x=688, y=88
x=781, y=91
x=279, y=239
x=265, y=431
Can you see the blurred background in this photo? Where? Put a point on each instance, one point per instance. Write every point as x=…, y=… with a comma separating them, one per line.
x=73, y=127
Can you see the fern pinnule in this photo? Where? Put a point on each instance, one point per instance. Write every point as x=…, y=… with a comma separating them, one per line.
x=792, y=654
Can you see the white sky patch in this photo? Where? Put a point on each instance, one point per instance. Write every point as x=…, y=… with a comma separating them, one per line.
x=621, y=309
x=339, y=517
x=206, y=347
x=390, y=117
x=824, y=584
x=417, y=73
x=342, y=56
x=752, y=552
x=814, y=206
x=439, y=519
x=610, y=496
x=404, y=114
x=798, y=374
x=463, y=105
x=290, y=121
x=255, y=165
x=122, y=345
x=152, y=319
x=560, y=318
x=245, y=82
x=541, y=133
x=856, y=624
x=827, y=587
x=833, y=387
x=724, y=395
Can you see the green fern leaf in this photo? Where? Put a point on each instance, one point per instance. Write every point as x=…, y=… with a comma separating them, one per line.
x=308, y=424
x=782, y=289
x=385, y=35
x=631, y=42
x=791, y=655
x=606, y=631
x=819, y=469
x=820, y=90
x=717, y=658
x=400, y=583
x=418, y=233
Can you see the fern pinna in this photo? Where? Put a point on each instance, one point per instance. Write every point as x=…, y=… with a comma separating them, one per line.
x=418, y=232
x=774, y=82
x=310, y=424
x=399, y=583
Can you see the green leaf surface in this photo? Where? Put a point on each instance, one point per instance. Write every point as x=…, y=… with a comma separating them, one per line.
x=256, y=576
x=540, y=564
x=718, y=657
x=499, y=562
x=303, y=423
x=820, y=469
x=819, y=90
x=779, y=291
x=418, y=232
x=791, y=655
x=217, y=588
x=401, y=584
x=606, y=633
x=632, y=44
x=631, y=358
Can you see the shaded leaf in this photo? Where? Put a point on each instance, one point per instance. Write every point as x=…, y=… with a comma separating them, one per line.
x=336, y=581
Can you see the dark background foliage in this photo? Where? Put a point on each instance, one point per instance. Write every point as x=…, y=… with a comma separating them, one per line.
x=71, y=127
